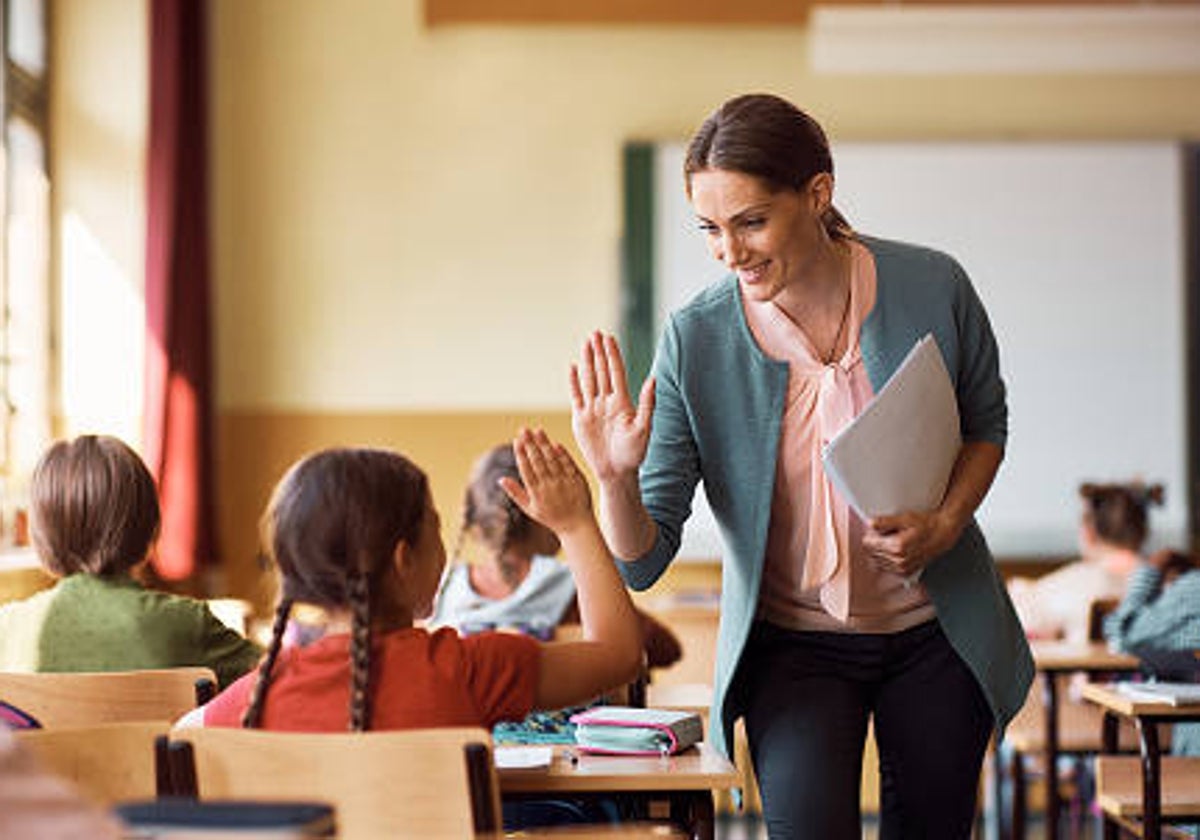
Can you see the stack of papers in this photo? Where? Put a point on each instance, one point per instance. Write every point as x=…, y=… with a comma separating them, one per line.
x=522, y=758
x=896, y=455
x=1174, y=693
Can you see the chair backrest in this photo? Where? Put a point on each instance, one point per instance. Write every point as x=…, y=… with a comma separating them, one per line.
x=1098, y=610
x=108, y=762
x=82, y=699
x=413, y=783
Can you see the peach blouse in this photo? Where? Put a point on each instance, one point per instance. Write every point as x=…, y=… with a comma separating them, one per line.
x=817, y=576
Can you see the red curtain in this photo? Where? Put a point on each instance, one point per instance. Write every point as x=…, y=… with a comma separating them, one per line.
x=177, y=433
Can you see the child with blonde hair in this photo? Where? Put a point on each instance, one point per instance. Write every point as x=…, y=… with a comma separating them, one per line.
x=355, y=532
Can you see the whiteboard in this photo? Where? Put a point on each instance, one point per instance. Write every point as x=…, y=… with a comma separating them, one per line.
x=1077, y=250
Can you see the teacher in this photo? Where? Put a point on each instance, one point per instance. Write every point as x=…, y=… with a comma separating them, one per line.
x=827, y=621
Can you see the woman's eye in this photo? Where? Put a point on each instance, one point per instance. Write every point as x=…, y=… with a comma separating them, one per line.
x=707, y=229
x=754, y=222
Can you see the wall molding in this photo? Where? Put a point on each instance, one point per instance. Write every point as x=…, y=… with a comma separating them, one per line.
x=933, y=39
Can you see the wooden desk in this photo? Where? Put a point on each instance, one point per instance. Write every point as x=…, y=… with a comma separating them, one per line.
x=686, y=780
x=1182, y=796
x=1052, y=659
x=21, y=574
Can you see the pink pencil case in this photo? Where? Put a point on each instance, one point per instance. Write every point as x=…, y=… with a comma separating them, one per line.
x=624, y=730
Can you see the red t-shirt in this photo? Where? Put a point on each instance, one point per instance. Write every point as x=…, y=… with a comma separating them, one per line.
x=418, y=679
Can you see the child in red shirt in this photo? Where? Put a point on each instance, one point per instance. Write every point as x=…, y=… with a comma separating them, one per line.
x=355, y=532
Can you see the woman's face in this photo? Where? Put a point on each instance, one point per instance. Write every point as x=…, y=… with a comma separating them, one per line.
x=768, y=238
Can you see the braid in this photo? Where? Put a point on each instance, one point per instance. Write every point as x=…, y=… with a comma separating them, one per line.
x=252, y=719
x=360, y=653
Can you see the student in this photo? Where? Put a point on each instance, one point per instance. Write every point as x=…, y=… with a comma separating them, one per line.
x=1112, y=531
x=518, y=584
x=355, y=532
x=1158, y=621
x=94, y=518
x=823, y=628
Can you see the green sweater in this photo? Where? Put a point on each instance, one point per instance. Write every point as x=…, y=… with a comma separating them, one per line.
x=90, y=623
x=717, y=418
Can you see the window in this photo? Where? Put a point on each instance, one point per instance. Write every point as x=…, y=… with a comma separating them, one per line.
x=25, y=290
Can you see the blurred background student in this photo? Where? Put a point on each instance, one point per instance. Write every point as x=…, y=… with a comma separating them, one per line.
x=1113, y=527
x=515, y=582
x=1158, y=620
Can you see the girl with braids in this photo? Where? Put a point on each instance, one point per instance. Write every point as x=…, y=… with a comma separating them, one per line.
x=355, y=532
x=1112, y=530
x=517, y=583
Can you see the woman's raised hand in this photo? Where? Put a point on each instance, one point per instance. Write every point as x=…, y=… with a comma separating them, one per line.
x=552, y=489
x=611, y=433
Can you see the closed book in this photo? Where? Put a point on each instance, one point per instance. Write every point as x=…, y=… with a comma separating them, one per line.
x=170, y=817
x=1173, y=693
x=624, y=730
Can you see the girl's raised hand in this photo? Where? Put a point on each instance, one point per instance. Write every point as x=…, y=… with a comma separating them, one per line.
x=552, y=489
x=611, y=433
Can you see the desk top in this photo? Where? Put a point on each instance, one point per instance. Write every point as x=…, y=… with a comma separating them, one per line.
x=1110, y=698
x=1075, y=656
x=697, y=768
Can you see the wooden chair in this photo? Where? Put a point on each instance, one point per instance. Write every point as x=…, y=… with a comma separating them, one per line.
x=82, y=699
x=1078, y=731
x=108, y=762
x=412, y=783
x=1119, y=791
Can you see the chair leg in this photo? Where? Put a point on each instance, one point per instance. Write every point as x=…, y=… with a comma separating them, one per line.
x=1017, y=773
x=484, y=802
x=181, y=763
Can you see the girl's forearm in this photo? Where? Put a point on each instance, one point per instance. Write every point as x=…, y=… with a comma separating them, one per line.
x=606, y=612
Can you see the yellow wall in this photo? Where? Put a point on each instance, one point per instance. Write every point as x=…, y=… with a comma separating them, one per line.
x=413, y=229
x=98, y=111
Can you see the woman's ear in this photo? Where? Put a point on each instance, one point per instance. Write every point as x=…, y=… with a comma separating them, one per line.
x=820, y=191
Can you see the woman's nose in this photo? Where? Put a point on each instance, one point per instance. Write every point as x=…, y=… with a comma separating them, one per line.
x=733, y=250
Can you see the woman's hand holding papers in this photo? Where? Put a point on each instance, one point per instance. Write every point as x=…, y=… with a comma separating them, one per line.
x=906, y=542
x=909, y=541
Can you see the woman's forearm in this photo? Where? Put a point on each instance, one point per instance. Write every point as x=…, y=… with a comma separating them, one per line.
x=626, y=523
x=972, y=477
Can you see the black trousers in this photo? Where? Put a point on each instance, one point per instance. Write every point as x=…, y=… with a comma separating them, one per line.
x=807, y=698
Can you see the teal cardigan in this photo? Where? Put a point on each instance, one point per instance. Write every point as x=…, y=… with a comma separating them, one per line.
x=717, y=417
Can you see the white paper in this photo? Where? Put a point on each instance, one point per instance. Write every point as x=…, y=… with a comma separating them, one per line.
x=1175, y=693
x=523, y=757
x=897, y=454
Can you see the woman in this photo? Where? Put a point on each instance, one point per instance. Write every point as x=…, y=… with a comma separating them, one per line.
x=822, y=627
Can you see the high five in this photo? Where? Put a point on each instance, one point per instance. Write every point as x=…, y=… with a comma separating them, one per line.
x=821, y=631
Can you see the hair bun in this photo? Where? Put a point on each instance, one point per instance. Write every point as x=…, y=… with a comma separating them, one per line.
x=1154, y=494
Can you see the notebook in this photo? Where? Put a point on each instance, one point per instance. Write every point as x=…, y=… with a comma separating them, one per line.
x=169, y=817
x=624, y=730
x=1174, y=693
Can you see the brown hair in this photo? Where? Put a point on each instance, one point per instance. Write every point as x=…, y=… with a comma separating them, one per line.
x=1118, y=512
x=488, y=512
x=331, y=528
x=768, y=137
x=93, y=507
